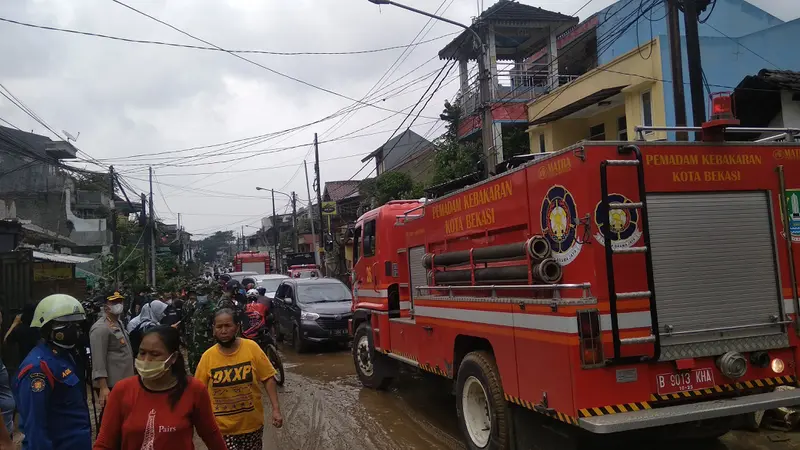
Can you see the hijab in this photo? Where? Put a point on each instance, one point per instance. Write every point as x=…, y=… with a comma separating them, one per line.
x=151, y=314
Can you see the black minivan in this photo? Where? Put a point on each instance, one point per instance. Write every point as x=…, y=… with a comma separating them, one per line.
x=312, y=310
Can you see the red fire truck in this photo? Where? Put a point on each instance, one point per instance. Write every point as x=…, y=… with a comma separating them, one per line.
x=611, y=286
x=252, y=262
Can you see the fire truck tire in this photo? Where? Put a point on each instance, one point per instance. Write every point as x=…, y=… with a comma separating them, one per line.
x=483, y=414
x=373, y=369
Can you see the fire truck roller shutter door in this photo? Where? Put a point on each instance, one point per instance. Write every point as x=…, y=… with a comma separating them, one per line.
x=418, y=276
x=714, y=268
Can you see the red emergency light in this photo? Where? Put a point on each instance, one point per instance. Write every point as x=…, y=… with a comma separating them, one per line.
x=721, y=106
x=721, y=117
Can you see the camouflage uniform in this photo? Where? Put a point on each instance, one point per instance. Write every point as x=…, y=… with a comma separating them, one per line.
x=202, y=336
x=185, y=327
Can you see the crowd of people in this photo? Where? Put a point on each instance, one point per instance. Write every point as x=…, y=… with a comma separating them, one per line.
x=132, y=358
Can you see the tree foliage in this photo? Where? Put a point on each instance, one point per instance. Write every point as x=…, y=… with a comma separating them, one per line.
x=390, y=186
x=454, y=159
x=130, y=270
x=210, y=245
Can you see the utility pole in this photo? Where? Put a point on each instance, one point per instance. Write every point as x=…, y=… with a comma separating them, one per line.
x=487, y=122
x=112, y=222
x=314, y=247
x=145, y=242
x=690, y=16
x=676, y=63
x=242, y=238
x=294, y=221
x=319, y=197
x=152, y=236
x=180, y=240
x=276, y=235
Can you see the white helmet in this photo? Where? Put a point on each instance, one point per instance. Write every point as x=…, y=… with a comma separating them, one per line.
x=252, y=293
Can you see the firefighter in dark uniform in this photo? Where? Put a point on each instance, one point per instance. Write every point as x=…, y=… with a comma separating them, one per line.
x=51, y=396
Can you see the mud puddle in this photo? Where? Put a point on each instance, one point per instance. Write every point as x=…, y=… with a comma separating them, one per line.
x=325, y=407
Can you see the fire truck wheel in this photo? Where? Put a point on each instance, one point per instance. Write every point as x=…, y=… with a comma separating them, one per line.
x=482, y=410
x=372, y=368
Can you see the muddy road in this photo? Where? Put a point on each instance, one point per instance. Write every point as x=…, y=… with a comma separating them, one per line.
x=325, y=407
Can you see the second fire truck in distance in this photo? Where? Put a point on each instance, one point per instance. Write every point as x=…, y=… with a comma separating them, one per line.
x=610, y=286
x=252, y=262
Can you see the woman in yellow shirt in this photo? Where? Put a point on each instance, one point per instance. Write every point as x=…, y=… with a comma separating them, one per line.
x=232, y=370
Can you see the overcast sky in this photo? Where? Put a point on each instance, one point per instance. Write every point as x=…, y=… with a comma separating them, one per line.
x=128, y=99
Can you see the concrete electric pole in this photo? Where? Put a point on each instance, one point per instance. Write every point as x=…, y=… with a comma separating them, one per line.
x=112, y=223
x=319, y=198
x=314, y=246
x=152, y=235
x=690, y=16
x=294, y=221
x=276, y=235
x=676, y=64
x=143, y=221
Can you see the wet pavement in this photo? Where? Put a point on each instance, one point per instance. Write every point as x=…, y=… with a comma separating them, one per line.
x=325, y=407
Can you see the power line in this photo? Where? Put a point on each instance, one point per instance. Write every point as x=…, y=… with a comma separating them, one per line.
x=198, y=47
x=160, y=192
x=392, y=68
x=22, y=106
x=10, y=124
x=236, y=55
x=599, y=52
x=735, y=41
x=244, y=142
x=453, y=64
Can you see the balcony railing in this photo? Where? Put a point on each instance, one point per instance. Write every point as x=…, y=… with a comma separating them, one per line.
x=513, y=85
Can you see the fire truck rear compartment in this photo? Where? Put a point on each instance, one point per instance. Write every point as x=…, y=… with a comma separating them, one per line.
x=715, y=273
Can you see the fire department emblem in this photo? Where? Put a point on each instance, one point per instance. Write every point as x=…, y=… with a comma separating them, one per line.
x=560, y=224
x=624, y=223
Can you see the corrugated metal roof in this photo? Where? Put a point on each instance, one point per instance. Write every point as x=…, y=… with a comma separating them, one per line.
x=55, y=257
x=341, y=190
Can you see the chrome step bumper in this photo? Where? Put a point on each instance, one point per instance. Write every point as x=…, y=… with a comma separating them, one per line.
x=672, y=415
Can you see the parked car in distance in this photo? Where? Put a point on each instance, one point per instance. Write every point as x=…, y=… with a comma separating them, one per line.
x=270, y=283
x=312, y=310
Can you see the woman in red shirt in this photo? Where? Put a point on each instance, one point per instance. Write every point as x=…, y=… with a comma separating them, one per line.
x=160, y=408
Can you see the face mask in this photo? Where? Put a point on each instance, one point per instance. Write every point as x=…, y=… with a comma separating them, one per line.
x=116, y=309
x=150, y=370
x=202, y=299
x=65, y=336
x=226, y=344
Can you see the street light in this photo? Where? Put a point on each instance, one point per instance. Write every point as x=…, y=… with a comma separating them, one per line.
x=485, y=92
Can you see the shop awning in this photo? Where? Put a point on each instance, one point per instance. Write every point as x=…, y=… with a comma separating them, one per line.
x=59, y=258
x=578, y=105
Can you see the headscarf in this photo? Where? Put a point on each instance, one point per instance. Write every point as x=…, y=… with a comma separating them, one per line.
x=151, y=314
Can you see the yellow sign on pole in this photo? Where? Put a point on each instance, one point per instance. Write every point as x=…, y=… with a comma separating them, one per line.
x=328, y=208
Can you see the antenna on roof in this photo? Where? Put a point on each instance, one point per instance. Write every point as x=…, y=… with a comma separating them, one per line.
x=70, y=137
